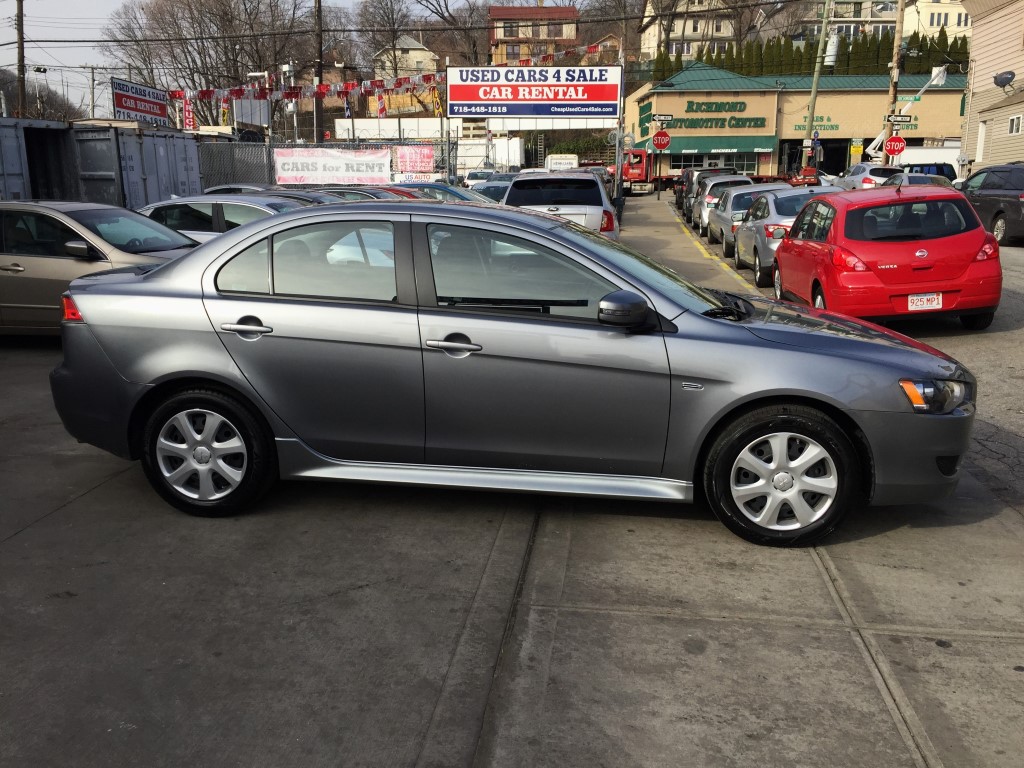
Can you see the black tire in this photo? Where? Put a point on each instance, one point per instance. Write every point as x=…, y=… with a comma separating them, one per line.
x=818, y=299
x=711, y=236
x=999, y=229
x=701, y=229
x=777, y=281
x=762, y=276
x=185, y=470
x=800, y=504
x=978, y=322
x=729, y=252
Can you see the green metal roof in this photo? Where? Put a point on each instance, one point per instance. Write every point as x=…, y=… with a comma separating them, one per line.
x=697, y=76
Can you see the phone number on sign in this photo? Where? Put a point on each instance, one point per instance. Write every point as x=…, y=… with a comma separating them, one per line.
x=481, y=110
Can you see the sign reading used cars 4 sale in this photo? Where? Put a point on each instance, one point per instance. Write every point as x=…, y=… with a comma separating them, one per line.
x=133, y=101
x=534, y=91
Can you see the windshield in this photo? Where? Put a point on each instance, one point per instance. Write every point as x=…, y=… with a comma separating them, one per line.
x=472, y=194
x=645, y=270
x=130, y=231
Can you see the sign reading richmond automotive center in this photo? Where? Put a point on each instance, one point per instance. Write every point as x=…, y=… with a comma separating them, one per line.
x=332, y=166
x=139, y=102
x=534, y=91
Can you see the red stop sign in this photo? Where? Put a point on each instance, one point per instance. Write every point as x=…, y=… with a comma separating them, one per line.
x=661, y=140
x=895, y=146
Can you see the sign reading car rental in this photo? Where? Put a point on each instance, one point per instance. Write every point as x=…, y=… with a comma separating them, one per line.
x=534, y=91
x=139, y=102
x=332, y=166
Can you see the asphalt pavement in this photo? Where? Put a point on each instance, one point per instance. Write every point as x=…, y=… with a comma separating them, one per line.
x=357, y=625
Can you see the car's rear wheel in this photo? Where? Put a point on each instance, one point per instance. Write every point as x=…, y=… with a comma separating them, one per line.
x=999, y=228
x=819, y=299
x=702, y=229
x=207, y=454
x=762, y=275
x=978, y=322
x=782, y=475
x=731, y=251
x=777, y=281
x=712, y=239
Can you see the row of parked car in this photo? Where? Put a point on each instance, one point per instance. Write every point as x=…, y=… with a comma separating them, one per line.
x=913, y=244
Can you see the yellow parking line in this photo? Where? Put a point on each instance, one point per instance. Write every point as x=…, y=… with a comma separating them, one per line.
x=708, y=254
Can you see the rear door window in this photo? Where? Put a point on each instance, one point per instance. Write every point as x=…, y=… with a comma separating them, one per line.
x=235, y=214
x=196, y=217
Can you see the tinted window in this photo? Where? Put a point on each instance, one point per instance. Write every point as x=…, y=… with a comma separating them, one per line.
x=493, y=271
x=540, y=191
x=802, y=226
x=820, y=222
x=975, y=181
x=790, y=205
x=1017, y=178
x=997, y=179
x=130, y=231
x=883, y=173
x=741, y=201
x=236, y=215
x=197, y=217
x=911, y=221
x=760, y=209
x=36, y=234
x=248, y=272
x=338, y=260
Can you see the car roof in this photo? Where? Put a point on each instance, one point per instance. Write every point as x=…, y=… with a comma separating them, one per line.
x=860, y=198
x=220, y=197
x=725, y=177
x=57, y=205
x=821, y=189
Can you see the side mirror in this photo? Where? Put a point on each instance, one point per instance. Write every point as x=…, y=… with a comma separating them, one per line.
x=624, y=309
x=958, y=185
x=778, y=233
x=78, y=248
x=739, y=216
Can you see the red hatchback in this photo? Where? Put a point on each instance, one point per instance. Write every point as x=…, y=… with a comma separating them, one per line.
x=892, y=252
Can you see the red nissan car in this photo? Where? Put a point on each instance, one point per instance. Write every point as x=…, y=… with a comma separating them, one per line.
x=891, y=252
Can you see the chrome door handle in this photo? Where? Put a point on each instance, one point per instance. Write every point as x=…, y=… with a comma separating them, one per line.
x=243, y=328
x=12, y=268
x=455, y=345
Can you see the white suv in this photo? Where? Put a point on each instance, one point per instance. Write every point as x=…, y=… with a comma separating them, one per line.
x=865, y=176
x=579, y=197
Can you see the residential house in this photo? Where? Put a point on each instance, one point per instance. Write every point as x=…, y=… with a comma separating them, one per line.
x=409, y=57
x=530, y=32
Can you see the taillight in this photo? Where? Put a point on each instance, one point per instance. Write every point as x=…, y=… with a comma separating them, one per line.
x=867, y=181
x=70, y=313
x=709, y=199
x=847, y=261
x=989, y=250
x=607, y=221
x=769, y=229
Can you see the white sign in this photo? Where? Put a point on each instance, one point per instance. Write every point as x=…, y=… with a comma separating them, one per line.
x=139, y=102
x=332, y=166
x=534, y=91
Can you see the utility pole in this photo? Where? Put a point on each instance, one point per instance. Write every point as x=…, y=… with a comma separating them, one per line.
x=894, y=82
x=819, y=62
x=19, y=22
x=318, y=103
x=92, y=92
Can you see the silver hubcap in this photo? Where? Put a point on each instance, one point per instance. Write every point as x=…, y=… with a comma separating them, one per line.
x=999, y=229
x=778, y=284
x=201, y=455
x=819, y=301
x=784, y=481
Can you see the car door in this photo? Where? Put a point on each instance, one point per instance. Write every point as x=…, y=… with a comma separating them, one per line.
x=332, y=347
x=746, y=233
x=518, y=373
x=35, y=268
x=972, y=191
x=796, y=254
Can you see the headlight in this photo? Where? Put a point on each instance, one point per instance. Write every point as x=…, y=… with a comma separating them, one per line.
x=936, y=395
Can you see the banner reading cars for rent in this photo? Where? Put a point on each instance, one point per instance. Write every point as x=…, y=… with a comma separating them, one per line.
x=534, y=91
x=332, y=166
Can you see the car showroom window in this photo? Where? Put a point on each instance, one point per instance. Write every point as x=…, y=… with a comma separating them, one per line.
x=499, y=272
x=34, y=234
x=336, y=260
x=247, y=272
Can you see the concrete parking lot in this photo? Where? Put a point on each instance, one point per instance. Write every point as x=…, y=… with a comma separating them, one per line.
x=356, y=625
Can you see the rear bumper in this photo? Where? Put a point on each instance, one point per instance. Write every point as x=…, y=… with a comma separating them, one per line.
x=915, y=457
x=862, y=294
x=93, y=401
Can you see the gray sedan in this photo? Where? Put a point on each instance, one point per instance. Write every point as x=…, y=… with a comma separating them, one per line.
x=728, y=212
x=499, y=349
x=772, y=212
x=203, y=217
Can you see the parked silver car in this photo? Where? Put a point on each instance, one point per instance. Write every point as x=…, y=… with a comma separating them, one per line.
x=498, y=349
x=706, y=198
x=203, y=217
x=48, y=243
x=865, y=176
x=578, y=196
x=773, y=211
x=730, y=209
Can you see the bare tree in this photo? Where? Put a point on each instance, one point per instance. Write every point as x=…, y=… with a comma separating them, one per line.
x=43, y=102
x=208, y=43
x=463, y=29
x=384, y=22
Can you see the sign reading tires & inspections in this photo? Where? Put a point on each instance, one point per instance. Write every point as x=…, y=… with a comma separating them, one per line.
x=895, y=146
x=534, y=91
x=142, y=103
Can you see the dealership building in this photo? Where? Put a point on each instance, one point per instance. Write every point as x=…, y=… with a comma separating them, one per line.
x=759, y=124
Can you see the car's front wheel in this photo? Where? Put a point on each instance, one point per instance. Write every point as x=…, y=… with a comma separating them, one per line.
x=782, y=475
x=777, y=281
x=207, y=454
x=762, y=275
x=712, y=238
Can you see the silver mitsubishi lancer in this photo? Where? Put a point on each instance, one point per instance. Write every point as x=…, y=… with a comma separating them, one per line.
x=483, y=347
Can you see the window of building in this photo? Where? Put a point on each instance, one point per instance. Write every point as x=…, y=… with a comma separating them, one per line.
x=554, y=29
x=535, y=30
x=696, y=25
x=508, y=29
x=513, y=51
x=1014, y=125
x=718, y=25
x=680, y=47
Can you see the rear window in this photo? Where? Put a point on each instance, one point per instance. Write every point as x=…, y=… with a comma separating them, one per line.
x=883, y=173
x=546, y=191
x=920, y=220
x=790, y=205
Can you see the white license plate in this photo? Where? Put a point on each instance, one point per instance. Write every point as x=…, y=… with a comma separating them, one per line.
x=922, y=301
